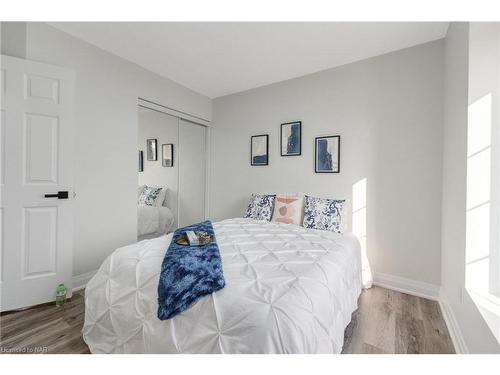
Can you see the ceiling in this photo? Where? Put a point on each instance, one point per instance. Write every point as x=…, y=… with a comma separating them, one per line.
x=220, y=58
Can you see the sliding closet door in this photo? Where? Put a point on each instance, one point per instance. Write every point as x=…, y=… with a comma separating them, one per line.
x=192, y=173
x=164, y=128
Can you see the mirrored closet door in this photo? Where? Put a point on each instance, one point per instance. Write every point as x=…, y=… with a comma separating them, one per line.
x=192, y=172
x=171, y=172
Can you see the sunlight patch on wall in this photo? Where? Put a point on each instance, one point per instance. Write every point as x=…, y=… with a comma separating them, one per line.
x=478, y=195
x=359, y=226
x=480, y=269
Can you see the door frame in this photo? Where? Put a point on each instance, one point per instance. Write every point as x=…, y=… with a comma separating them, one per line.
x=148, y=104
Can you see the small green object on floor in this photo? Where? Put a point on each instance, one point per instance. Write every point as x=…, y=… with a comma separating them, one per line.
x=60, y=295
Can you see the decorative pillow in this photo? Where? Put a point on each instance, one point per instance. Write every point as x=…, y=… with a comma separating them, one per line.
x=160, y=200
x=139, y=191
x=260, y=207
x=288, y=209
x=148, y=196
x=322, y=213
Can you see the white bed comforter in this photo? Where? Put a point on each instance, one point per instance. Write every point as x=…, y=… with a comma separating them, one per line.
x=154, y=220
x=288, y=290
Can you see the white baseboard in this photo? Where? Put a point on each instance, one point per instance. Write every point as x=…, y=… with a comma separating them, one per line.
x=401, y=284
x=80, y=281
x=453, y=327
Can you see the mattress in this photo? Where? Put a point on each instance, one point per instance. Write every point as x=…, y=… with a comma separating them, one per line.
x=288, y=290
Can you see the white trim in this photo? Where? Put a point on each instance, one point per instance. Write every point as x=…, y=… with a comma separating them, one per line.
x=453, y=327
x=170, y=111
x=409, y=286
x=80, y=281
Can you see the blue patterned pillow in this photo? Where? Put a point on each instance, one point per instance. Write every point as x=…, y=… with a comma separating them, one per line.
x=260, y=207
x=322, y=213
x=148, y=196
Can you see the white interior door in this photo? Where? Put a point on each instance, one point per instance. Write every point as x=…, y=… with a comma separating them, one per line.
x=36, y=159
x=192, y=173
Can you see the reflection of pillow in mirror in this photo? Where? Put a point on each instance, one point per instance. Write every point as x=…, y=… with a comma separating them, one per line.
x=149, y=195
x=160, y=200
x=139, y=191
x=288, y=209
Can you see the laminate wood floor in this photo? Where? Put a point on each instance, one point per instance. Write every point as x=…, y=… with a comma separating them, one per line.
x=390, y=322
x=386, y=322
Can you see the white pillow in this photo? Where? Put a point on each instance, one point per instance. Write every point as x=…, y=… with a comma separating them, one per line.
x=139, y=192
x=160, y=199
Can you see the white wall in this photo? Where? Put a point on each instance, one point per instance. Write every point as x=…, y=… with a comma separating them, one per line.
x=388, y=112
x=478, y=338
x=14, y=39
x=107, y=89
x=165, y=129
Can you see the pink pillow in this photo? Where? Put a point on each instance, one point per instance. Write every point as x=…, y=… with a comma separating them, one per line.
x=288, y=209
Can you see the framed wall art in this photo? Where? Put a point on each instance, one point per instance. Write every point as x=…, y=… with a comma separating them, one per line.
x=259, y=150
x=141, y=161
x=291, y=138
x=151, y=149
x=167, y=155
x=327, y=154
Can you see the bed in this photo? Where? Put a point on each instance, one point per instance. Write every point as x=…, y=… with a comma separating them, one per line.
x=154, y=221
x=288, y=290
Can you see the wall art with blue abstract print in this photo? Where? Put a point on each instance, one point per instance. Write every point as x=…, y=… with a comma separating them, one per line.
x=291, y=138
x=259, y=150
x=327, y=154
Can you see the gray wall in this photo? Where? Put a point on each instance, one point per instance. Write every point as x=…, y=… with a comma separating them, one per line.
x=476, y=333
x=107, y=88
x=13, y=40
x=388, y=112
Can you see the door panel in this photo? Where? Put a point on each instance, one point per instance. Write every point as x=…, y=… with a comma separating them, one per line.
x=41, y=146
x=44, y=88
x=192, y=173
x=36, y=158
x=39, y=247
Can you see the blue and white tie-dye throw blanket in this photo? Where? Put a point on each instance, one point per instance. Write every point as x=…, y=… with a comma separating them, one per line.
x=188, y=273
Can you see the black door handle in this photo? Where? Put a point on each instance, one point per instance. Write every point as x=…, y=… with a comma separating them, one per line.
x=59, y=195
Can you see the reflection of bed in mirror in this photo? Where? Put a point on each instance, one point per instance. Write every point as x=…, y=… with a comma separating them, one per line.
x=153, y=221
x=154, y=218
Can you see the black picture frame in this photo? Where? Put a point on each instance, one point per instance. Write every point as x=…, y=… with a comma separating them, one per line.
x=152, y=149
x=317, y=168
x=141, y=161
x=290, y=124
x=167, y=155
x=264, y=160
